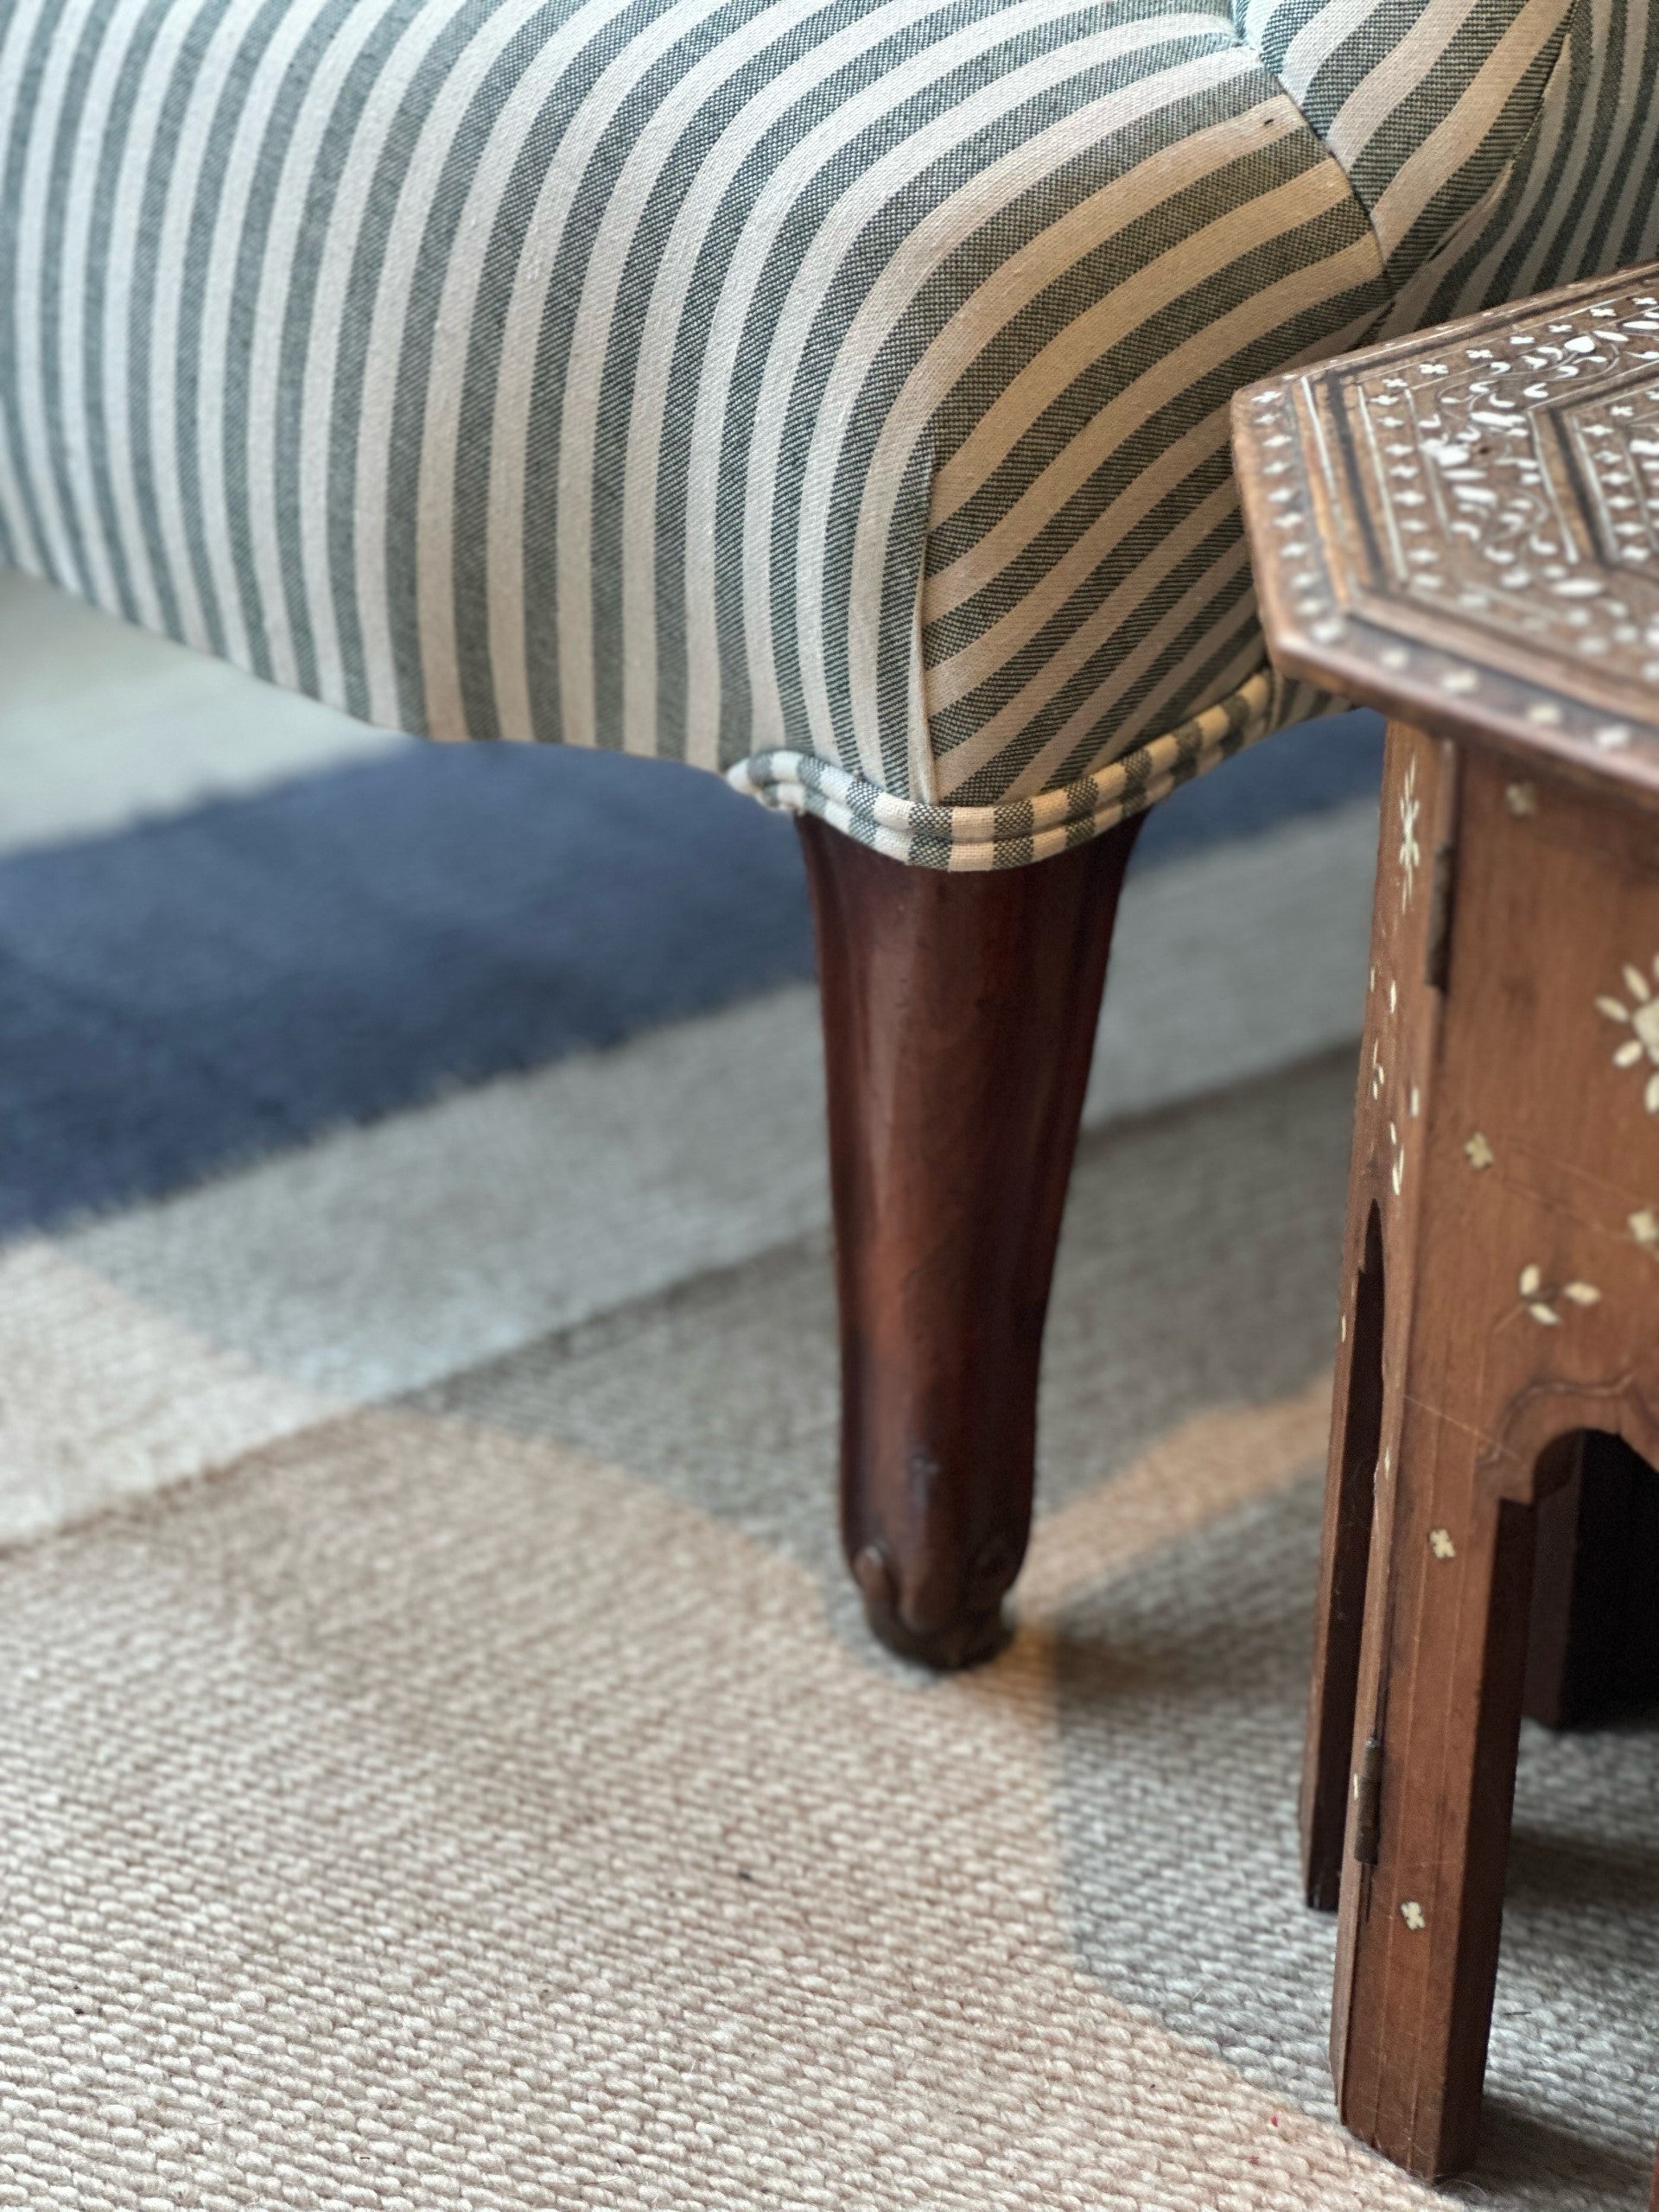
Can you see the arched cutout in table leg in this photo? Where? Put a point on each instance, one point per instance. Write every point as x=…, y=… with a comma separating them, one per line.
x=1593, y=1651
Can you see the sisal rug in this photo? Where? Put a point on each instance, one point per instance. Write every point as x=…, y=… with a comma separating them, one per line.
x=487, y=1798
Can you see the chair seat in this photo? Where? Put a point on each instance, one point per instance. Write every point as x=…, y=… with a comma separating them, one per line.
x=833, y=395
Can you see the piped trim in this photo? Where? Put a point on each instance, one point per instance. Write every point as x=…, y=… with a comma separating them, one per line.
x=962, y=839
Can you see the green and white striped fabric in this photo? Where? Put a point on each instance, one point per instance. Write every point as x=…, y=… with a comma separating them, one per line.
x=831, y=394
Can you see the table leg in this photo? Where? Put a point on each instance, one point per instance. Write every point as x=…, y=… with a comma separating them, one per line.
x=1423, y=1896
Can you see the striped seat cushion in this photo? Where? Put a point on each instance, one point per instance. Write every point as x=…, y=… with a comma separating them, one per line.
x=832, y=394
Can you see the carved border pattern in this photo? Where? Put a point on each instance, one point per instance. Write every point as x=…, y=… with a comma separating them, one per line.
x=1463, y=528
x=1512, y=479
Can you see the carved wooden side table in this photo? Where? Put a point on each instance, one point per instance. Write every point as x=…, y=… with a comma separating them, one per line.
x=1463, y=529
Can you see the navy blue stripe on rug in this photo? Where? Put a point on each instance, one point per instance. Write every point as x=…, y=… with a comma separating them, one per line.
x=196, y=992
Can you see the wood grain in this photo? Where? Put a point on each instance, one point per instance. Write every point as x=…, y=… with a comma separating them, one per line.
x=1507, y=1171
x=959, y=1015
x=1463, y=528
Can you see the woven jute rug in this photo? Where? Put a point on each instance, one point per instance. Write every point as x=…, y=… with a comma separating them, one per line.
x=487, y=1798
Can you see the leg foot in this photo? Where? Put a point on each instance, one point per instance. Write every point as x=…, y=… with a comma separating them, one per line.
x=959, y=1015
x=1422, y=1906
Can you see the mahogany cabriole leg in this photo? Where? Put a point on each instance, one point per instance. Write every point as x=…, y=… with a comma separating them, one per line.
x=959, y=1015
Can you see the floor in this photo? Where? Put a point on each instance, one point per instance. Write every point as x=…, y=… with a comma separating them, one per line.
x=443, y=1765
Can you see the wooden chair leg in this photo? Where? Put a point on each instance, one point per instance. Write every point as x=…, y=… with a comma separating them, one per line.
x=959, y=1015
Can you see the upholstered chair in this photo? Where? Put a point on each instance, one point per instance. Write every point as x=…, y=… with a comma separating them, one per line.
x=829, y=393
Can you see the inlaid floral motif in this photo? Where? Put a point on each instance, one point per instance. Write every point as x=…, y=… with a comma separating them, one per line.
x=1411, y=852
x=1542, y=1300
x=1640, y=1018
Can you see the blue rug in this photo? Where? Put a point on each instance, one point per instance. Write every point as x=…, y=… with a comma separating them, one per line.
x=196, y=992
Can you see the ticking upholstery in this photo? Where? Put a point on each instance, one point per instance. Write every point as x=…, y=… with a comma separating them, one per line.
x=832, y=394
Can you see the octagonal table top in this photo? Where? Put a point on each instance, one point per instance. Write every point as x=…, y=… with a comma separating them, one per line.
x=1462, y=526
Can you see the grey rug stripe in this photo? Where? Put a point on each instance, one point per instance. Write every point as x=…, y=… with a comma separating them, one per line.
x=167, y=1340
x=101, y=724
x=1198, y=1269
